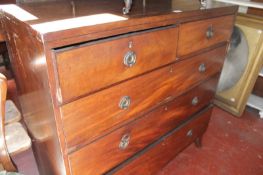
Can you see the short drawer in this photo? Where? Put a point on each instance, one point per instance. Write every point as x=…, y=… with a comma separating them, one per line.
x=97, y=114
x=99, y=64
x=129, y=139
x=194, y=36
x=154, y=158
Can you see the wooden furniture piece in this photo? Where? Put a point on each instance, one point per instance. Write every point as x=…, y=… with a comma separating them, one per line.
x=102, y=92
x=255, y=11
x=14, y=138
x=4, y=58
x=12, y=114
x=2, y=45
x=5, y=159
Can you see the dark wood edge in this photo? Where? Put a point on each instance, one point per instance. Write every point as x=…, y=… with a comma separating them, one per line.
x=54, y=91
x=111, y=38
x=66, y=37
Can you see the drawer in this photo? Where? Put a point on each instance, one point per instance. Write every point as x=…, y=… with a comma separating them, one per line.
x=94, y=115
x=194, y=36
x=155, y=157
x=99, y=64
x=129, y=139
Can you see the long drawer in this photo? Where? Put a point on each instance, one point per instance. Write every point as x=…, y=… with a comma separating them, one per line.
x=156, y=156
x=129, y=139
x=99, y=64
x=123, y=102
x=197, y=35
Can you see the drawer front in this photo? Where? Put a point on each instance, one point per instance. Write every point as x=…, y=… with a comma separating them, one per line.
x=194, y=36
x=86, y=69
x=94, y=115
x=129, y=139
x=155, y=157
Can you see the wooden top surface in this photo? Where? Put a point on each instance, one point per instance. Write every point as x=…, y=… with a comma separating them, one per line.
x=63, y=18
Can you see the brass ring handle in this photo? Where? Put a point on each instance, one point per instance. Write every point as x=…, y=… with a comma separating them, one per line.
x=195, y=101
x=189, y=133
x=125, y=140
x=210, y=32
x=125, y=102
x=202, y=67
x=129, y=59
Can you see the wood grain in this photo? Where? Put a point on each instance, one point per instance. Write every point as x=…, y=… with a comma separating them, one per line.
x=255, y=11
x=158, y=155
x=192, y=35
x=142, y=132
x=83, y=124
x=96, y=114
x=140, y=18
x=29, y=66
x=100, y=63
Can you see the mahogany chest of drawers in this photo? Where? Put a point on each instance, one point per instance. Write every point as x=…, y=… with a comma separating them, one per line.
x=107, y=93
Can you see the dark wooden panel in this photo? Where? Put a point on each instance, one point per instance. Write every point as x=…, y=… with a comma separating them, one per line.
x=255, y=11
x=193, y=37
x=258, y=88
x=154, y=158
x=141, y=132
x=8, y=2
x=29, y=66
x=89, y=117
x=101, y=64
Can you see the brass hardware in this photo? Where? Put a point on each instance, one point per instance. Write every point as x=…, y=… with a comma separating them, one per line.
x=125, y=102
x=209, y=32
x=202, y=67
x=127, y=8
x=125, y=140
x=189, y=133
x=129, y=59
x=195, y=101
